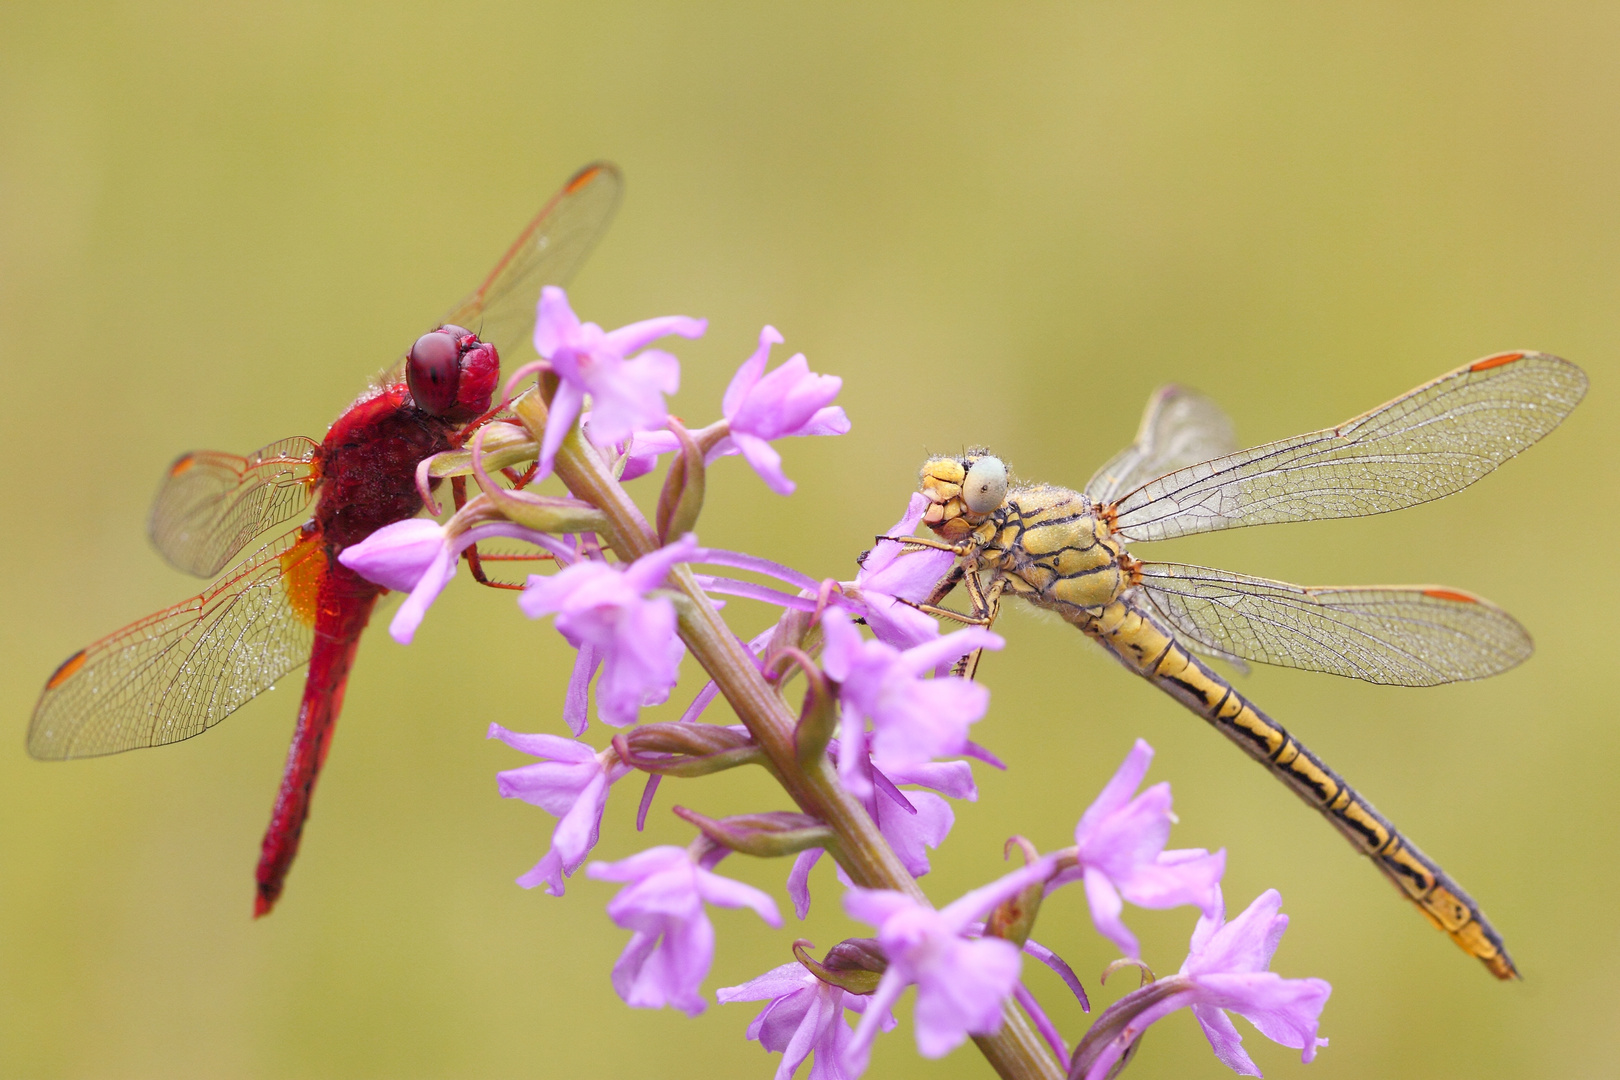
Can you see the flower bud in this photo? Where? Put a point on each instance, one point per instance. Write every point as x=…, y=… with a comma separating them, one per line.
x=854, y=965
x=687, y=749
x=766, y=835
x=1014, y=918
x=681, y=501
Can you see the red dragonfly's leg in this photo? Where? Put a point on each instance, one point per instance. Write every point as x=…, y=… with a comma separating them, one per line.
x=343, y=607
x=475, y=560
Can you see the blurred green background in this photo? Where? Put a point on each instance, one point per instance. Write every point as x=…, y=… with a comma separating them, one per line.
x=1002, y=225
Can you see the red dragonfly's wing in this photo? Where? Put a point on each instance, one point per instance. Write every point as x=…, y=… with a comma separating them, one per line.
x=212, y=504
x=181, y=671
x=1429, y=442
x=547, y=252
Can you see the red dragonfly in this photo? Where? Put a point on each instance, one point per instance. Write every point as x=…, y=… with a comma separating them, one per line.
x=179, y=672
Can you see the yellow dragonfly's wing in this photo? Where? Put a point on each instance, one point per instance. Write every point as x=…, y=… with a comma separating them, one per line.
x=1431, y=442
x=211, y=504
x=1401, y=635
x=1179, y=428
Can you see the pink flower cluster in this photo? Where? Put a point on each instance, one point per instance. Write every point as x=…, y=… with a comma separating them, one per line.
x=902, y=737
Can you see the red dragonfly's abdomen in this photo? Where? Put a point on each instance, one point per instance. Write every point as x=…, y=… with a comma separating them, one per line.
x=368, y=480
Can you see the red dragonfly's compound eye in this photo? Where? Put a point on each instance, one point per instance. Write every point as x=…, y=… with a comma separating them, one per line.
x=480, y=371
x=432, y=369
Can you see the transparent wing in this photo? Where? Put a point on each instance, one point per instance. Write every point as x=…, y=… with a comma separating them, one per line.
x=1179, y=428
x=501, y=311
x=1411, y=635
x=212, y=504
x=177, y=673
x=1431, y=442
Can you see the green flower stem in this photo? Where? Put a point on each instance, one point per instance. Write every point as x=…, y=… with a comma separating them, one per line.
x=1015, y=1052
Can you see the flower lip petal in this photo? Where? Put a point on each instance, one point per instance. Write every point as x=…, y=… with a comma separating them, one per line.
x=397, y=555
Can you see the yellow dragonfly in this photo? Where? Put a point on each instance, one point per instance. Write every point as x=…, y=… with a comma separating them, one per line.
x=1064, y=551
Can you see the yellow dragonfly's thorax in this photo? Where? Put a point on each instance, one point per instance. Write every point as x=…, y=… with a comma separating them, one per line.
x=1045, y=542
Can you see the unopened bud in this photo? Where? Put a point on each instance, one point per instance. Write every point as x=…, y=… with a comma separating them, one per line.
x=768, y=835
x=855, y=965
x=1117, y=1025
x=687, y=749
x=681, y=501
x=1014, y=918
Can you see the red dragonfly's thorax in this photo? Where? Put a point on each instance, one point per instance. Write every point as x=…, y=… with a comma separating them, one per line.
x=368, y=465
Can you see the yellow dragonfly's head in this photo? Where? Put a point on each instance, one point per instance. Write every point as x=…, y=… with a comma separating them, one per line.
x=963, y=490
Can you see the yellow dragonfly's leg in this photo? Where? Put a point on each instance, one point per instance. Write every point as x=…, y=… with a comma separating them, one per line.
x=987, y=605
x=929, y=542
x=986, y=608
x=1133, y=633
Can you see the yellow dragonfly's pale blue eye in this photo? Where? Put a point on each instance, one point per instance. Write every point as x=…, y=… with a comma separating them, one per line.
x=985, y=485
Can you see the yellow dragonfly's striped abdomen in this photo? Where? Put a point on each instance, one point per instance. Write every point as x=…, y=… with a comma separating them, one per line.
x=1132, y=633
x=1063, y=551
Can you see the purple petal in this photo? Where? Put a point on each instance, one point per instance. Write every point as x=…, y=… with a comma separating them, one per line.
x=1286, y=1011
x=910, y=835
x=411, y=613
x=649, y=571
x=974, y=905
x=1119, y=789
x=555, y=323
x=1167, y=885
x=639, y=865
x=565, y=406
x=749, y=373
x=764, y=460
x=1246, y=942
x=1131, y=836
x=890, y=986
x=775, y=983
x=1105, y=907
x=548, y=872
x=885, y=552
x=897, y=624
x=631, y=398
x=750, y=591
x=978, y=753
x=828, y=421
x=852, y=757
x=551, y=785
x=577, y=831
x=798, y=881
x=396, y=556
x=932, y=722
x=924, y=657
x=645, y=448
x=554, y=747
x=669, y=974
x=738, y=560
x=577, y=698
x=725, y=892
x=1043, y=1024
x=965, y=999
x=843, y=644
x=1224, y=1040
x=952, y=778
x=638, y=335
x=1060, y=966
x=876, y=906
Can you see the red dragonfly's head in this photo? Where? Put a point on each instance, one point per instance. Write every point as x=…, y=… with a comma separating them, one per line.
x=452, y=374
